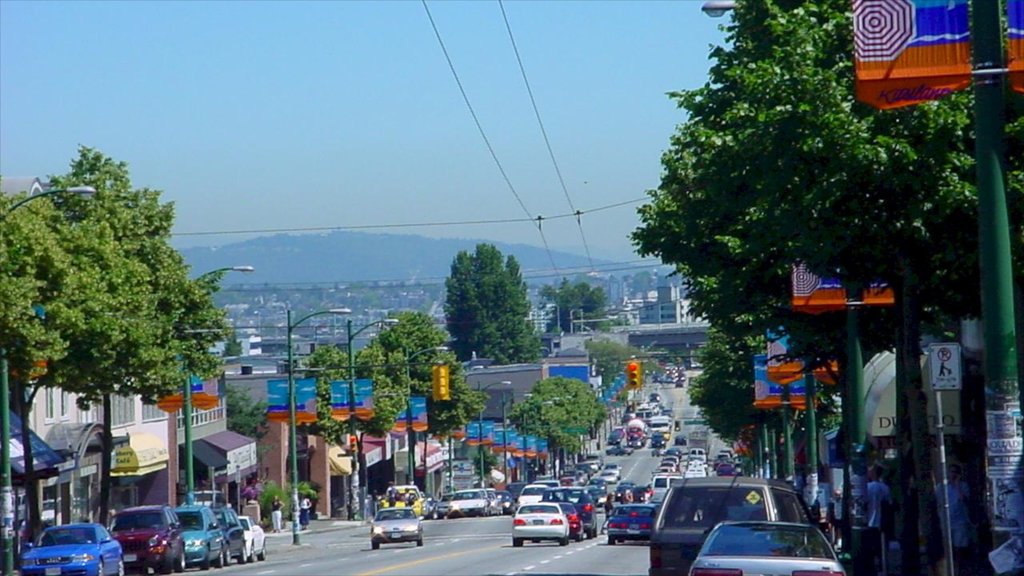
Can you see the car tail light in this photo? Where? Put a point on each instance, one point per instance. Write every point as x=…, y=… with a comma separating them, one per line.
x=655, y=555
x=645, y=526
x=573, y=518
x=715, y=572
x=557, y=521
x=816, y=573
x=519, y=522
x=588, y=507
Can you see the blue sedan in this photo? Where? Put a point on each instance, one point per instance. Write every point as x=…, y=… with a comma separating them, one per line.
x=86, y=549
x=631, y=522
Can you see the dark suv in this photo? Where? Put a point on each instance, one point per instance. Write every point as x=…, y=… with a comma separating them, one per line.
x=583, y=501
x=234, y=534
x=693, y=506
x=150, y=537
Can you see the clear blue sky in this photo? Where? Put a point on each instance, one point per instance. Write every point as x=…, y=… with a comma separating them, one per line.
x=265, y=115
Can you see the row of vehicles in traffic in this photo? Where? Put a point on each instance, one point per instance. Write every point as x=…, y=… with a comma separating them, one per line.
x=144, y=538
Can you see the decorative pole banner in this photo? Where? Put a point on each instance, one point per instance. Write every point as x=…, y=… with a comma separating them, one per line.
x=768, y=395
x=277, y=400
x=910, y=51
x=813, y=294
x=305, y=400
x=782, y=371
x=340, y=410
x=531, y=446
x=542, y=447
x=364, y=398
x=1015, y=37
x=204, y=392
x=487, y=434
x=473, y=436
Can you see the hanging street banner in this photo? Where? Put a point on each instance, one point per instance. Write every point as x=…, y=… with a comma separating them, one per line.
x=813, y=294
x=768, y=394
x=781, y=370
x=364, y=399
x=340, y=409
x=305, y=400
x=910, y=51
x=204, y=392
x=1015, y=43
x=419, y=416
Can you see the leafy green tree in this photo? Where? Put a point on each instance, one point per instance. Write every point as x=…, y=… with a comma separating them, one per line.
x=609, y=358
x=555, y=408
x=570, y=297
x=777, y=164
x=487, y=308
x=245, y=415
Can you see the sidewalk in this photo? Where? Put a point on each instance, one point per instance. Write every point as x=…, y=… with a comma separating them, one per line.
x=318, y=526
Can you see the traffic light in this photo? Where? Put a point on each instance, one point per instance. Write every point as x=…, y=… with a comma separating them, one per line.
x=678, y=425
x=634, y=375
x=441, y=388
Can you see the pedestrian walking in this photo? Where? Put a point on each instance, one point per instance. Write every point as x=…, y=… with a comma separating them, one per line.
x=275, y=513
x=609, y=505
x=304, y=509
x=878, y=498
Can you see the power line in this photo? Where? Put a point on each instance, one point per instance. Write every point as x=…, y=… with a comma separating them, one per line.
x=487, y=142
x=544, y=132
x=404, y=224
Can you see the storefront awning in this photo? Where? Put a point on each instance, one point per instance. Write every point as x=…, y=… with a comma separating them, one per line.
x=375, y=449
x=142, y=454
x=237, y=451
x=45, y=460
x=430, y=452
x=341, y=464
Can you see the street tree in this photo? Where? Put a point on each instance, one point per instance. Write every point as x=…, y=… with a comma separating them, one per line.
x=561, y=410
x=778, y=164
x=487, y=308
x=609, y=358
x=571, y=297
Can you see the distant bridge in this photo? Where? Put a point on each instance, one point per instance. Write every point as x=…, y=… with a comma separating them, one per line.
x=682, y=338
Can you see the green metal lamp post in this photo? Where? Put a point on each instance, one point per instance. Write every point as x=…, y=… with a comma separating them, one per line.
x=351, y=335
x=293, y=451
x=480, y=427
x=186, y=405
x=6, y=491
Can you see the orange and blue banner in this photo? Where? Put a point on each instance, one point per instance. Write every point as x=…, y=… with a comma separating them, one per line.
x=910, y=51
x=768, y=394
x=305, y=400
x=418, y=406
x=780, y=369
x=813, y=294
x=1015, y=42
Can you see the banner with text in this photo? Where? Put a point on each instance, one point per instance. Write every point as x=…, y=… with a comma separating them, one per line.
x=910, y=51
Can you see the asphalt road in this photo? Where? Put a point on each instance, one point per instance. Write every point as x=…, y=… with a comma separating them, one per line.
x=463, y=547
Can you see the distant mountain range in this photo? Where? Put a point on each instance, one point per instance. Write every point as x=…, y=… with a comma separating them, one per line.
x=343, y=256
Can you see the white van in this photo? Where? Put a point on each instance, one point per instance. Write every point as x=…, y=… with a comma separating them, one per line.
x=698, y=454
x=661, y=482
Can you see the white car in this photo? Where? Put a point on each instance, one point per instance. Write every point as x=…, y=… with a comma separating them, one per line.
x=536, y=522
x=696, y=470
x=531, y=494
x=255, y=540
x=609, y=476
x=470, y=503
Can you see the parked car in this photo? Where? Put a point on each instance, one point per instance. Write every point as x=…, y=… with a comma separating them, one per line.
x=576, y=531
x=234, y=534
x=536, y=522
x=255, y=539
x=472, y=502
x=766, y=548
x=73, y=549
x=150, y=537
x=693, y=506
x=584, y=505
x=392, y=525
x=204, y=541
x=631, y=522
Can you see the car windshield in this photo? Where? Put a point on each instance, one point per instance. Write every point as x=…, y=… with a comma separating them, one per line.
x=538, y=509
x=533, y=490
x=138, y=521
x=470, y=495
x=244, y=521
x=191, y=520
x=768, y=540
x=63, y=536
x=706, y=506
x=395, y=514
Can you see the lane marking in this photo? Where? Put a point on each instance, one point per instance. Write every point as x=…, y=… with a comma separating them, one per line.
x=545, y=561
x=404, y=565
x=265, y=572
x=530, y=567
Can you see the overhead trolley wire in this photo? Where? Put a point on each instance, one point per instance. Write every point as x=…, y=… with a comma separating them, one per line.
x=544, y=132
x=451, y=66
x=404, y=224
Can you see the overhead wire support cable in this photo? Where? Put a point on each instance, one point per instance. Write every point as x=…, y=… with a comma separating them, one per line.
x=544, y=132
x=480, y=128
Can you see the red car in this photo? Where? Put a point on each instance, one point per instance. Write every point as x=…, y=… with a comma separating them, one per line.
x=575, y=523
x=150, y=537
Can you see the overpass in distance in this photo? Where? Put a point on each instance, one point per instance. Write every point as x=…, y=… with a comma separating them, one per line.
x=682, y=338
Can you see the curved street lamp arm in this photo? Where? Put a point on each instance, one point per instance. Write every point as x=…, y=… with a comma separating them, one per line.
x=85, y=191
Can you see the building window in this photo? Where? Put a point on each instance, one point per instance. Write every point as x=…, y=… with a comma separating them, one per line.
x=122, y=411
x=49, y=404
x=150, y=413
x=65, y=405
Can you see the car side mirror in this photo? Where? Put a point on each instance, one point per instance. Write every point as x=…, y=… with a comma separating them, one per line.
x=212, y=526
x=105, y=541
x=28, y=546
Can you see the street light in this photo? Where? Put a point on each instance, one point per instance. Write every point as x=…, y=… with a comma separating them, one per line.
x=292, y=432
x=352, y=404
x=6, y=491
x=718, y=8
x=186, y=407
x=410, y=433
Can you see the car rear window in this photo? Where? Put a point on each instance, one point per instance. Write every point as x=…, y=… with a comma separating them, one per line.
x=634, y=510
x=538, y=509
x=706, y=506
x=533, y=491
x=763, y=540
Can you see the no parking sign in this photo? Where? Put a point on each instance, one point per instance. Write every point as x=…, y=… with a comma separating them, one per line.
x=944, y=360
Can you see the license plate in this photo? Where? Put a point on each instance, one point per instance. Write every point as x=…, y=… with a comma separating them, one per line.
x=53, y=571
x=537, y=522
x=634, y=526
x=130, y=557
